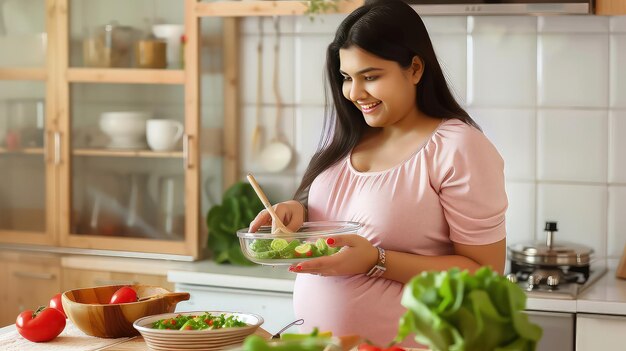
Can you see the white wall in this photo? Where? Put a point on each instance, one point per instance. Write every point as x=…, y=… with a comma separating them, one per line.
x=550, y=92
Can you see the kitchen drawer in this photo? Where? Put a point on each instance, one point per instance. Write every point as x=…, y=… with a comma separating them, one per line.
x=558, y=330
x=276, y=308
x=29, y=280
x=599, y=332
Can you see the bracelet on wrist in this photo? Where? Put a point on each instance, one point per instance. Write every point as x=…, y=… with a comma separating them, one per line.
x=379, y=268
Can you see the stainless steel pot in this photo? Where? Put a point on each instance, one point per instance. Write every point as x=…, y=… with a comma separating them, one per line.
x=549, y=253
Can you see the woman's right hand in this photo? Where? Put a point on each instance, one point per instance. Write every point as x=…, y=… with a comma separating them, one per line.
x=291, y=213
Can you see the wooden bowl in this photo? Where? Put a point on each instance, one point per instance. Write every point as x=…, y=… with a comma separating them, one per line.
x=89, y=310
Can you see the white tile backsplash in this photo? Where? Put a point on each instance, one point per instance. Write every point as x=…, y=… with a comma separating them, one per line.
x=567, y=74
x=618, y=24
x=451, y=51
x=520, y=216
x=513, y=134
x=549, y=92
x=580, y=210
x=494, y=83
x=572, y=145
x=618, y=71
x=502, y=25
x=310, y=62
x=308, y=129
x=617, y=146
x=617, y=221
x=446, y=24
x=573, y=24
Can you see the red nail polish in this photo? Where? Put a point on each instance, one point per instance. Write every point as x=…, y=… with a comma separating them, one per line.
x=298, y=268
x=330, y=241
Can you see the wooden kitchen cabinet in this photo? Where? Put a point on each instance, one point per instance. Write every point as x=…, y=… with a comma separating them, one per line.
x=97, y=196
x=611, y=7
x=599, y=332
x=30, y=280
x=79, y=278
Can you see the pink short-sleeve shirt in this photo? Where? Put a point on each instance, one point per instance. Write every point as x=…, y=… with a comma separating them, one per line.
x=450, y=190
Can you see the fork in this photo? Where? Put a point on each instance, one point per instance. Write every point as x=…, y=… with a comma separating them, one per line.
x=296, y=322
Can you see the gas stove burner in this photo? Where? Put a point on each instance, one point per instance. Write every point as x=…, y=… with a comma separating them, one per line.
x=553, y=281
x=564, y=274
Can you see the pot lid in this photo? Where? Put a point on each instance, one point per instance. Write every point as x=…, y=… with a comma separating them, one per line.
x=549, y=253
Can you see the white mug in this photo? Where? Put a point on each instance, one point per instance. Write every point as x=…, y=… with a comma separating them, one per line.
x=163, y=134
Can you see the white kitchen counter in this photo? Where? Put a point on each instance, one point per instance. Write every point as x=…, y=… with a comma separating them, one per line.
x=606, y=296
x=209, y=273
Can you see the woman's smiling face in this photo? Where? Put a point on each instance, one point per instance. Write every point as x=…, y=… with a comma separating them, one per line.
x=381, y=89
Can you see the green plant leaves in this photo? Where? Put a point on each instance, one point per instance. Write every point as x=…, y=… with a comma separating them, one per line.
x=239, y=207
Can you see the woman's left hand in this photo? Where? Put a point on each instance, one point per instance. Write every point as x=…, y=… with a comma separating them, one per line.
x=357, y=256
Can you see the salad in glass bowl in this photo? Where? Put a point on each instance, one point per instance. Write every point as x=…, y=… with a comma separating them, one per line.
x=265, y=247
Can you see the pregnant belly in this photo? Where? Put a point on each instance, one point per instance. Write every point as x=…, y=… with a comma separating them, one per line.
x=369, y=307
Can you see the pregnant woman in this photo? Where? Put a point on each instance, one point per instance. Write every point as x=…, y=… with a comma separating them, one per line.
x=401, y=157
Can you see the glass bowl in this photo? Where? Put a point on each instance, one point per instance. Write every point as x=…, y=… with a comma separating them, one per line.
x=307, y=243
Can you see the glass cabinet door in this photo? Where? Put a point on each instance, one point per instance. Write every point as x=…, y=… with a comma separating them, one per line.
x=127, y=173
x=23, y=183
x=127, y=184
x=26, y=154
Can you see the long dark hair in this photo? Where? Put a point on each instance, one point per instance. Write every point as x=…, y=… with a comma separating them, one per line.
x=391, y=30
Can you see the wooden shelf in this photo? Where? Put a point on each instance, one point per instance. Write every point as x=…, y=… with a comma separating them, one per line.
x=127, y=153
x=24, y=151
x=125, y=75
x=23, y=73
x=264, y=8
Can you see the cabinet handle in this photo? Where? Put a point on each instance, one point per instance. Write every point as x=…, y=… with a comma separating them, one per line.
x=57, y=148
x=33, y=275
x=46, y=146
x=186, y=138
x=100, y=282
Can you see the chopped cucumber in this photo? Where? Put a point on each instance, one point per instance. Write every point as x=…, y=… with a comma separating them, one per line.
x=321, y=246
x=289, y=250
x=279, y=244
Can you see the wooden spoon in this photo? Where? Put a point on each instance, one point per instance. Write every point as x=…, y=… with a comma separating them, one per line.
x=277, y=225
x=170, y=294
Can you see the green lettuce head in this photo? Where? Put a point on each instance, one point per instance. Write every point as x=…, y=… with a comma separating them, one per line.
x=457, y=311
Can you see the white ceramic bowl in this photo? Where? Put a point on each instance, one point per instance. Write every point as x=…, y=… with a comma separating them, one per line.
x=308, y=242
x=218, y=339
x=126, y=129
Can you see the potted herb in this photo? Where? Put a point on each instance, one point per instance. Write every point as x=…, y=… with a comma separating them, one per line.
x=239, y=207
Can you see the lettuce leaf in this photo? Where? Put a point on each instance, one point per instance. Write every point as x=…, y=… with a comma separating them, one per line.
x=239, y=207
x=457, y=311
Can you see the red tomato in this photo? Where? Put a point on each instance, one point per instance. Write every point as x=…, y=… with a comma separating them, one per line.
x=368, y=347
x=43, y=325
x=55, y=302
x=124, y=295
